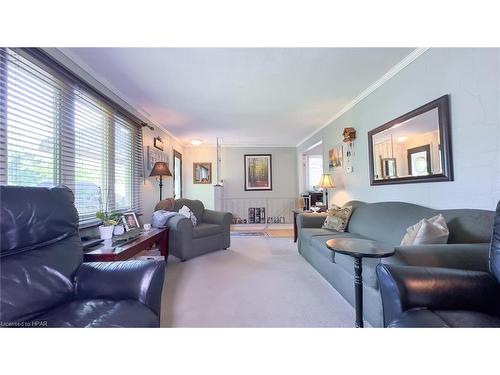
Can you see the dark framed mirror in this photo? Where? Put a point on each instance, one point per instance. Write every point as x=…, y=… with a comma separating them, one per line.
x=415, y=147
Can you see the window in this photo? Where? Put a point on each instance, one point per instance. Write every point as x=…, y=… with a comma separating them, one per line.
x=53, y=132
x=314, y=170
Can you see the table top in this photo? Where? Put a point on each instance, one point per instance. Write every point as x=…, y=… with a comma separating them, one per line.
x=106, y=246
x=360, y=248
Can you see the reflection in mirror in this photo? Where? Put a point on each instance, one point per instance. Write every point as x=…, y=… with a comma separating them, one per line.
x=202, y=173
x=409, y=148
x=413, y=146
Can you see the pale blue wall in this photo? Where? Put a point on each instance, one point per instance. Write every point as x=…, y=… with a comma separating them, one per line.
x=472, y=79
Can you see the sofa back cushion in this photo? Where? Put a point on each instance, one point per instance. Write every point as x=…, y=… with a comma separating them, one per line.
x=194, y=205
x=40, y=250
x=388, y=221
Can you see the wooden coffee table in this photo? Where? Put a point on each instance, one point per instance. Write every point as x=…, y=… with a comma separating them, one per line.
x=147, y=239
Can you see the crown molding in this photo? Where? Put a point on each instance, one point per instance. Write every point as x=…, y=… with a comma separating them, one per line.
x=85, y=72
x=375, y=85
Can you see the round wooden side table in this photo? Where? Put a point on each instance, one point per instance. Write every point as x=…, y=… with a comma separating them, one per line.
x=359, y=249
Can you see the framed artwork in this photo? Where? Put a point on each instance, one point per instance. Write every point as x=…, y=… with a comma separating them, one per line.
x=335, y=156
x=419, y=160
x=202, y=173
x=154, y=155
x=158, y=143
x=258, y=172
x=130, y=221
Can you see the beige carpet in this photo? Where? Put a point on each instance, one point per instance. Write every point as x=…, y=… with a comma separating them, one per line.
x=258, y=282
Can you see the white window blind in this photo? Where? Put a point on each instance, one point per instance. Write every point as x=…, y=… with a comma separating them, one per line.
x=54, y=132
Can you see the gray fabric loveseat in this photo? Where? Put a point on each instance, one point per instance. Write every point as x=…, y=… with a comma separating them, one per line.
x=467, y=247
x=210, y=234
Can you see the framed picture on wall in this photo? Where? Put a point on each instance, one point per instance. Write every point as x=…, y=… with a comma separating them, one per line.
x=202, y=173
x=335, y=156
x=154, y=155
x=258, y=172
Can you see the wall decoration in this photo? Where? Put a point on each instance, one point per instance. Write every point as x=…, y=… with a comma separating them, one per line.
x=202, y=173
x=153, y=156
x=158, y=143
x=349, y=134
x=419, y=160
x=258, y=172
x=335, y=156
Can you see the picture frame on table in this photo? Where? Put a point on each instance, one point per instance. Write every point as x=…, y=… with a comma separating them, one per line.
x=130, y=221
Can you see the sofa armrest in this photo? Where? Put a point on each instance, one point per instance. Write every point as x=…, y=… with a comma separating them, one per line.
x=217, y=217
x=137, y=280
x=180, y=223
x=458, y=256
x=403, y=288
x=311, y=220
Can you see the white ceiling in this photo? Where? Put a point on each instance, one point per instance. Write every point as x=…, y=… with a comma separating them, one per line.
x=272, y=96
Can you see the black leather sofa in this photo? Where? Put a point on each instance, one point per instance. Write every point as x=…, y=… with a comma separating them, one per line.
x=441, y=297
x=43, y=280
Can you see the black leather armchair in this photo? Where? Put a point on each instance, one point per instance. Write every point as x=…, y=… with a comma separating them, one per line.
x=441, y=297
x=43, y=280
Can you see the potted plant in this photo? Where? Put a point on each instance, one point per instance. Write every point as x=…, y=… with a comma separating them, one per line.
x=108, y=219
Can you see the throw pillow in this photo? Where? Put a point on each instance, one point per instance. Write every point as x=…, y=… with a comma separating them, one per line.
x=166, y=204
x=426, y=232
x=337, y=218
x=184, y=210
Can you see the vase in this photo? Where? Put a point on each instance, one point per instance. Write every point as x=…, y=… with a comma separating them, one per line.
x=106, y=231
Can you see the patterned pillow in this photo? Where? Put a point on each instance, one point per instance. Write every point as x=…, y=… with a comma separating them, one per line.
x=337, y=218
x=427, y=232
x=193, y=218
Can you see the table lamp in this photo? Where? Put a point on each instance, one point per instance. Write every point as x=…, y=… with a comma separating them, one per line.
x=326, y=182
x=160, y=169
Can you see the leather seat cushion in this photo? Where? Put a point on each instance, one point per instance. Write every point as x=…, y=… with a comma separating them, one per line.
x=100, y=313
x=206, y=229
x=424, y=318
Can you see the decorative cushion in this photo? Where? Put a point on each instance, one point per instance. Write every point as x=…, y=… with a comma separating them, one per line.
x=427, y=231
x=165, y=204
x=184, y=210
x=337, y=218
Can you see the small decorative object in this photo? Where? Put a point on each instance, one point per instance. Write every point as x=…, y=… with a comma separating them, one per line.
x=147, y=226
x=119, y=229
x=315, y=209
x=160, y=169
x=335, y=156
x=130, y=221
x=158, y=143
x=258, y=172
x=326, y=183
x=349, y=134
x=109, y=220
x=202, y=173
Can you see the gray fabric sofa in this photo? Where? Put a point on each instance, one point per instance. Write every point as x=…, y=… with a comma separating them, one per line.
x=211, y=233
x=467, y=248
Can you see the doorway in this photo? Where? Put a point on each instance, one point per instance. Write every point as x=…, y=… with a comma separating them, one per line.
x=177, y=175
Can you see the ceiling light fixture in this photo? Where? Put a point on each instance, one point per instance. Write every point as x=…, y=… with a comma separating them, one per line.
x=402, y=139
x=196, y=142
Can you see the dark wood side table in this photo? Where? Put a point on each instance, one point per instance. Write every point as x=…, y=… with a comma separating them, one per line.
x=359, y=249
x=147, y=239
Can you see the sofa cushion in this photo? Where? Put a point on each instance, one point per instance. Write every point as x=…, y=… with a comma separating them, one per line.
x=319, y=243
x=306, y=234
x=206, y=229
x=427, y=231
x=346, y=262
x=337, y=218
x=99, y=313
x=424, y=318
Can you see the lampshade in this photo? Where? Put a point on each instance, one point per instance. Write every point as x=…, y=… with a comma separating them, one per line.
x=326, y=181
x=160, y=169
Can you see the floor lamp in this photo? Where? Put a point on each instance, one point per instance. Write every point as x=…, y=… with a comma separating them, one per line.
x=326, y=183
x=160, y=169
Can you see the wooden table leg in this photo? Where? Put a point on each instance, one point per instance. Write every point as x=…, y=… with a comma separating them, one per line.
x=358, y=291
x=164, y=244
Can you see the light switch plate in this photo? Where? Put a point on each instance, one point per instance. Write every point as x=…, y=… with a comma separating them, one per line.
x=349, y=169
